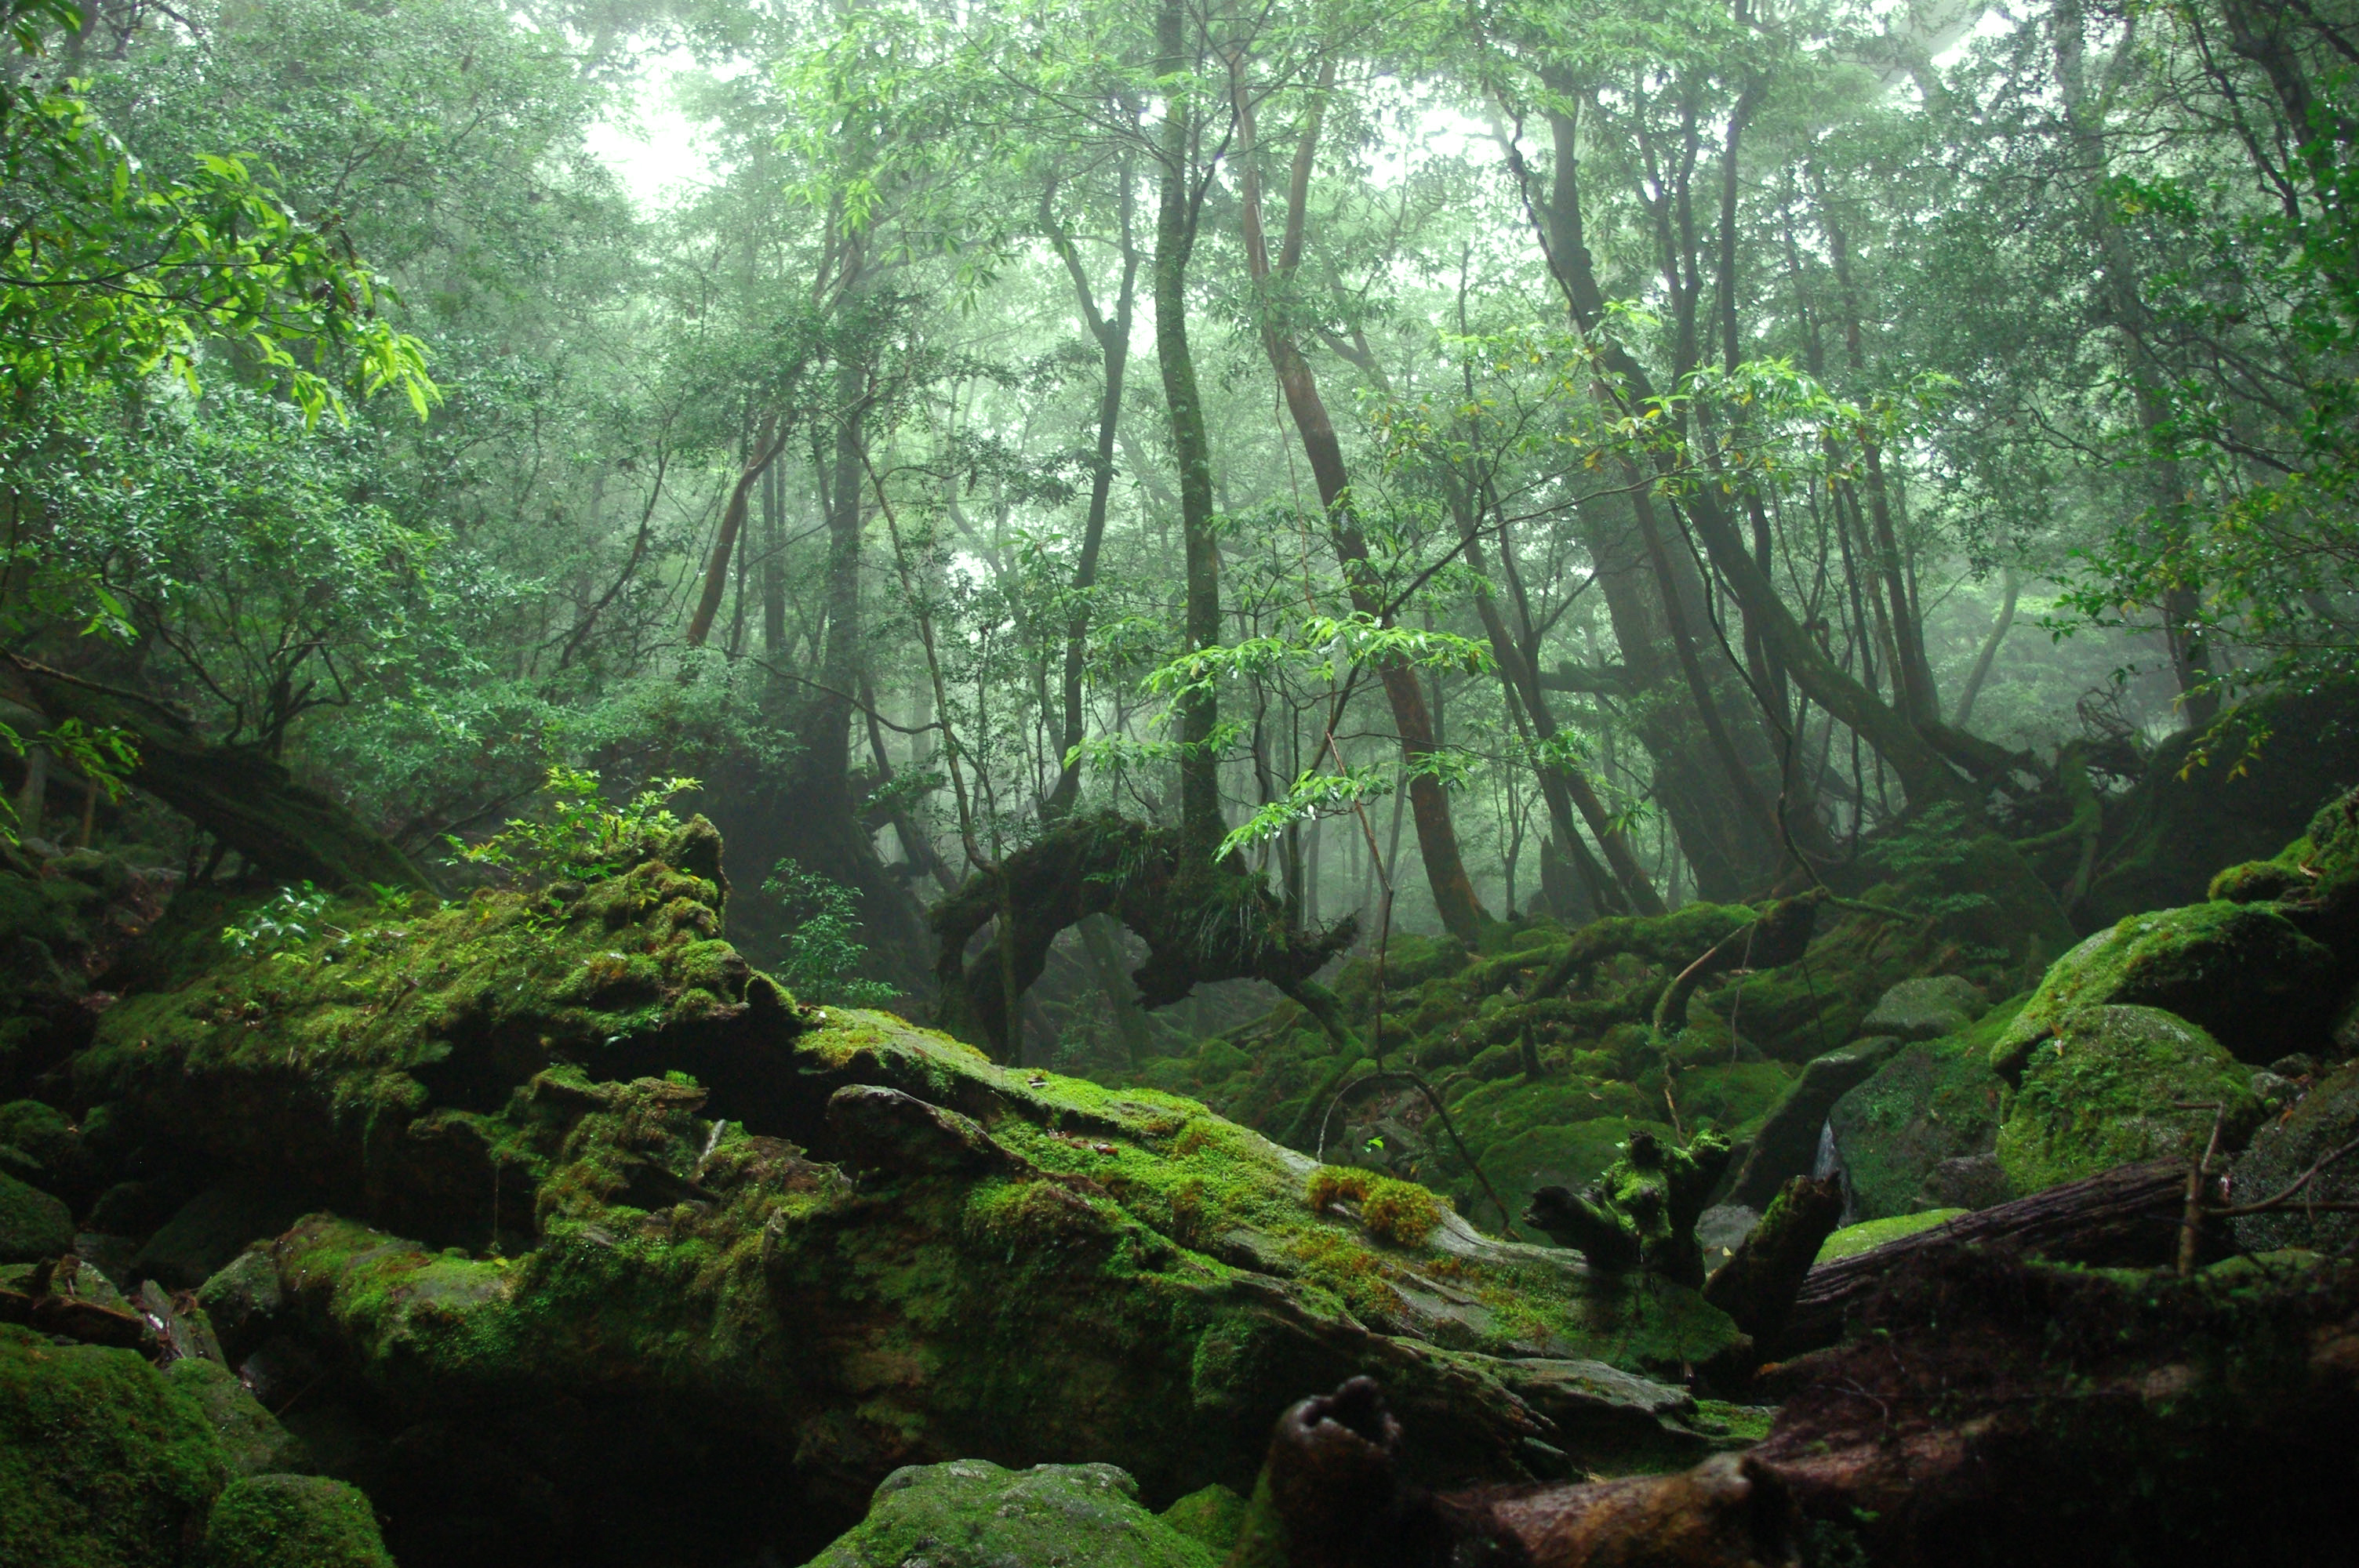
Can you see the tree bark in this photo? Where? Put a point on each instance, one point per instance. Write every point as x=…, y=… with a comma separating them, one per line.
x=1437, y=835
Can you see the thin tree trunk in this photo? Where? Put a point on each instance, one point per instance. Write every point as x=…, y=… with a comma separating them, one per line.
x=1437, y=835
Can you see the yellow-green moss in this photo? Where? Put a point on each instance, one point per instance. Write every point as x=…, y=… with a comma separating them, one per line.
x=1869, y=1235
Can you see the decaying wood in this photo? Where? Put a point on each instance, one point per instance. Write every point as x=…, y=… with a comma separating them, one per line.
x=2129, y=1216
x=1758, y=1285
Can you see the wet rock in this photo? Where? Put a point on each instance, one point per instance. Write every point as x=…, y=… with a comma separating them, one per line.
x=1925, y=1009
x=2324, y=1121
x=2116, y=1085
x=211, y=1228
x=970, y=1513
x=1787, y=1144
x=292, y=1521
x=2245, y=973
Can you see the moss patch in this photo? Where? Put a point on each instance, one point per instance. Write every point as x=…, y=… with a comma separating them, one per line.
x=293, y=1521
x=2108, y=1089
x=1872, y=1233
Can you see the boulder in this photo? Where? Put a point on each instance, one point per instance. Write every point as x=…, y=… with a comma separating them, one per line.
x=1926, y=1008
x=2117, y=1086
x=970, y=1513
x=2326, y=1120
x=107, y=1462
x=39, y=1143
x=629, y=1228
x=1787, y=1142
x=1932, y=1103
x=33, y=1224
x=211, y=1228
x=2244, y=972
x=292, y=1521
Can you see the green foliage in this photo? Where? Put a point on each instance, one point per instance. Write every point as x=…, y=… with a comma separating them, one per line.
x=823, y=955
x=581, y=835
x=288, y=918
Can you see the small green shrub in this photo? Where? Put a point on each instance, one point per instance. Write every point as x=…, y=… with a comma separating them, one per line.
x=823, y=952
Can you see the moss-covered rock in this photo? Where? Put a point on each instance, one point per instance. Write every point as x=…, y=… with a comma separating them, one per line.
x=1869, y=1235
x=2326, y=1120
x=292, y=1521
x=2117, y=1085
x=33, y=1224
x=103, y=1464
x=1932, y=1103
x=569, y=1149
x=1926, y=1008
x=2244, y=972
x=1213, y=1517
x=250, y=1440
x=970, y=1513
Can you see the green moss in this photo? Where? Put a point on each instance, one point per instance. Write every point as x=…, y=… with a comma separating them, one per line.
x=2243, y=971
x=1211, y=1516
x=293, y=1521
x=2117, y=1085
x=101, y=1464
x=33, y=1224
x=972, y=1514
x=1934, y=1101
x=1871, y=1234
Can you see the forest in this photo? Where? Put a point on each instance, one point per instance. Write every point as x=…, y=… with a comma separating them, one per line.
x=1207, y=784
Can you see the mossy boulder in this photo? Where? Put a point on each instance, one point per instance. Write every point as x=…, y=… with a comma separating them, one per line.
x=1926, y=1008
x=107, y=1462
x=1932, y=1103
x=970, y=1513
x=2117, y=1085
x=1213, y=1517
x=292, y=1521
x=33, y=1224
x=2244, y=972
x=2326, y=1120
x=569, y=1154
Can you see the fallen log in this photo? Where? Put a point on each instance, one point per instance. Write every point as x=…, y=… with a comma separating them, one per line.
x=2126, y=1216
x=244, y=797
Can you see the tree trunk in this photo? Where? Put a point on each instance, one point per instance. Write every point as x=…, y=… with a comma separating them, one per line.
x=1178, y=205
x=1437, y=835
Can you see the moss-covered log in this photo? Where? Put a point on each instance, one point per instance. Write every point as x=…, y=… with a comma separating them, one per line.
x=245, y=798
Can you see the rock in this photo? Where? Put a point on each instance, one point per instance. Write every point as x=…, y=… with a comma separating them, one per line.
x=1966, y=1181
x=1787, y=1144
x=292, y=1521
x=130, y=1209
x=1721, y=1227
x=243, y=1300
x=806, y=1251
x=2106, y=1089
x=2243, y=972
x=970, y=1513
x=2324, y=1121
x=33, y=1224
x=1213, y=1517
x=1926, y=1008
x=1874, y=1233
x=101, y=1461
x=249, y=1437
x=1932, y=1102
x=2275, y=1092
x=211, y=1228
x=881, y=1129
x=52, y=1144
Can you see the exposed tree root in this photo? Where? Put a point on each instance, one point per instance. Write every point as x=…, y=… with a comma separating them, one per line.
x=1201, y=923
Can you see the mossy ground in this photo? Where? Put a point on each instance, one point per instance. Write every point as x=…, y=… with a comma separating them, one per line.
x=1869, y=1235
